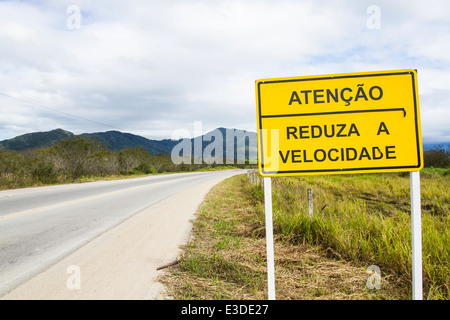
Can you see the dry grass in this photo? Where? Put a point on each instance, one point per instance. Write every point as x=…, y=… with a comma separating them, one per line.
x=226, y=258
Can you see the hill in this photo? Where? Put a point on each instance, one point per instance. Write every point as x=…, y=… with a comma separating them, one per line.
x=236, y=144
x=35, y=140
x=116, y=140
x=233, y=143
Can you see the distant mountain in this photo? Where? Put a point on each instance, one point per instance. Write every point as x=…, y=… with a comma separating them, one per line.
x=235, y=143
x=36, y=140
x=113, y=140
x=116, y=140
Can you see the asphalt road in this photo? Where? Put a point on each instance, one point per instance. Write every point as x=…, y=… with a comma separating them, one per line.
x=39, y=227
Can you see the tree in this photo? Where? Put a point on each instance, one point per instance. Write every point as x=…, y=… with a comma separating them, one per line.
x=80, y=157
x=135, y=160
x=437, y=157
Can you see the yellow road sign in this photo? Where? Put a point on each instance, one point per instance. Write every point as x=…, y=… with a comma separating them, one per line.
x=342, y=123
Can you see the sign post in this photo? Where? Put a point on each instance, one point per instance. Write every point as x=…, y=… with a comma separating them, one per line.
x=343, y=123
x=269, y=238
x=416, y=234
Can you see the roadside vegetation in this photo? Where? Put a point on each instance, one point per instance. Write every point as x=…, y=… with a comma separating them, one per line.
x=84, y=159
x=358, y=221
x=437, y=157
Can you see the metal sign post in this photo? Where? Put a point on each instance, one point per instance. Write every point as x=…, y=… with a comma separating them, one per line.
x=269, y=237
x=416, y=232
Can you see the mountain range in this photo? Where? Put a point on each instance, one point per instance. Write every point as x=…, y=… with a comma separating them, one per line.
x=116, y=140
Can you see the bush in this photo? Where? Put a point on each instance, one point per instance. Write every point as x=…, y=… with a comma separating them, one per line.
x=81, y=157
x=437, y=157
x=134, y=161
x=44, y=172
x=144, y=168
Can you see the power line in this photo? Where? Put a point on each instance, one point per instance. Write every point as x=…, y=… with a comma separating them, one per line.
x=55, y=110
x=66, y=113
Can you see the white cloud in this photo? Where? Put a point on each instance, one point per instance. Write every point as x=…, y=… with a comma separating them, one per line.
x=151, y=67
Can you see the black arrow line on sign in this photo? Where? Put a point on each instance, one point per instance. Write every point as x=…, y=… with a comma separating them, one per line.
x=333, y=112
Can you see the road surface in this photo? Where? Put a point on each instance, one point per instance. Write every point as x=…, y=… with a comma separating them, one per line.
x=97, y=240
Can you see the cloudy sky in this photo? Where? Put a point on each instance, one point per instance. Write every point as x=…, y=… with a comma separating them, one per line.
x=156, y=66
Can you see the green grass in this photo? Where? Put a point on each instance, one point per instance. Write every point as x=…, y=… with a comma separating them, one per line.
x=367, y=218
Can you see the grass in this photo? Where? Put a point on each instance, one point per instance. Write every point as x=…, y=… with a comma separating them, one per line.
x=218, y=261
x=359, y=221
x=367, y=218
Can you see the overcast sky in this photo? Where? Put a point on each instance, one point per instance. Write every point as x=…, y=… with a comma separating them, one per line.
x=155, y=66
